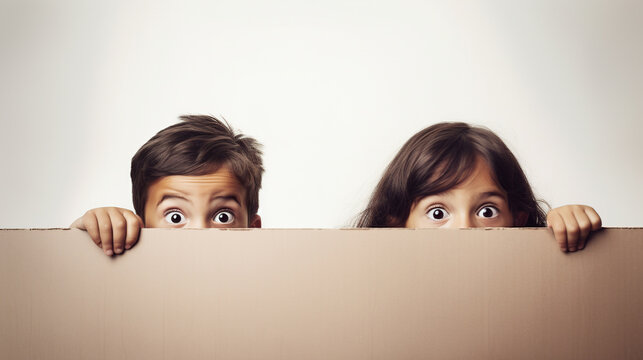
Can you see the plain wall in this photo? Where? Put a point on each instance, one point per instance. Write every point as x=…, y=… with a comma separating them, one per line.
x=332, y=89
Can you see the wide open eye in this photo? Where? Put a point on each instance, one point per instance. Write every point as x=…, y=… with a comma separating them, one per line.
x=175, y=217
x=488, y=212
x=437, y=214
x=224, y=217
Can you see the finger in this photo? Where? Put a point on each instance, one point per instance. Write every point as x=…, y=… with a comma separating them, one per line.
x=573, y=231
x=134, y=224
x=90, y=223
x=79, y=224
x=556, y=223
x=119, y=229
x=584, y=226
x=105, y=229
x=594, y=218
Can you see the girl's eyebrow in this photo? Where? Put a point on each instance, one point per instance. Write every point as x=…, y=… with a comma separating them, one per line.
x=488, y=194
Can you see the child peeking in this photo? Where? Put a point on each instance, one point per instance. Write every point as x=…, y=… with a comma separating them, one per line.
x=194, y=174
x=455, y=175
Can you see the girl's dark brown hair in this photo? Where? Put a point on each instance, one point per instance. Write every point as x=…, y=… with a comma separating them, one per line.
x=196, y=146
x=439, y=158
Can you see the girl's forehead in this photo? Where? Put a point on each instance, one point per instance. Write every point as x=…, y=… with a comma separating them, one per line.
x=481, y=180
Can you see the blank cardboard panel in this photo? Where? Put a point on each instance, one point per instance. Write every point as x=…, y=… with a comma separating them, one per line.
x=322, y=294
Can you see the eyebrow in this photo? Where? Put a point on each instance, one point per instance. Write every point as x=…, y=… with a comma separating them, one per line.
x=226, y=197
x=181, y=197
x=491, y=194
x=172, y=196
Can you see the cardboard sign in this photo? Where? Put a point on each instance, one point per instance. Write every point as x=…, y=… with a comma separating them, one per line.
x=322, y=294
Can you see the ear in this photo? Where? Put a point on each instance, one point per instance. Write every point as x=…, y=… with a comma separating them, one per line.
x=255, y=222
x=520, y=218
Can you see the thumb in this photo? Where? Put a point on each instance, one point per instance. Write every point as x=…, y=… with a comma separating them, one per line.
x=78, y=224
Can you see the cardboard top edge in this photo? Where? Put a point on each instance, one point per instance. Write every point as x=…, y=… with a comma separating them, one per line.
x=330, y=229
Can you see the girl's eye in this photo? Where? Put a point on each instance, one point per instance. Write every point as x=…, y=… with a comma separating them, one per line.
x=224, y=217
x=488, y=212
x=437, y=214
x=175, y=217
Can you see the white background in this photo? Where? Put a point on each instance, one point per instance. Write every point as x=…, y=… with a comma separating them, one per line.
x=332, y=89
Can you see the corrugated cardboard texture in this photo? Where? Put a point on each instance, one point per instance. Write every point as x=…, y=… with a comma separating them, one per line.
x=322, y=294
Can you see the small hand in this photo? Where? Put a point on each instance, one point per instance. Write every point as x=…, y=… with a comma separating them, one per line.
x=112, y=229
x=572, y=224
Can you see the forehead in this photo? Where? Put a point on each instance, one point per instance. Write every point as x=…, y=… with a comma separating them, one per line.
x=481, y=178
x=221, y=182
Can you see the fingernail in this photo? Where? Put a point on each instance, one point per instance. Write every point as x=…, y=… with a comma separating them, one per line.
x=118, y=250
x=572, y=249
x=128, y=247
x=109, y=252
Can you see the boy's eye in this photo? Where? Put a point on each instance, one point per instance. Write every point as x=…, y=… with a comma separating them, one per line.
x=224, y=217
x=488, y=212
x=437, y=214
x=175, y=217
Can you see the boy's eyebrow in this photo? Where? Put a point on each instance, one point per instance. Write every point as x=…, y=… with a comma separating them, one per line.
x=226, y=198
x=172, y=196
x=181, y=197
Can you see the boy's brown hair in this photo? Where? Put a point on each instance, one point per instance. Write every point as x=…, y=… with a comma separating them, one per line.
x=198, y=145
x=439, y=158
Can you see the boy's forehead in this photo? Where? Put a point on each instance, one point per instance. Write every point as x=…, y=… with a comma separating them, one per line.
x=221, y=181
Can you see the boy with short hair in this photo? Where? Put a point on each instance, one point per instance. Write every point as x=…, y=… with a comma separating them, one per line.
x=194, y=174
